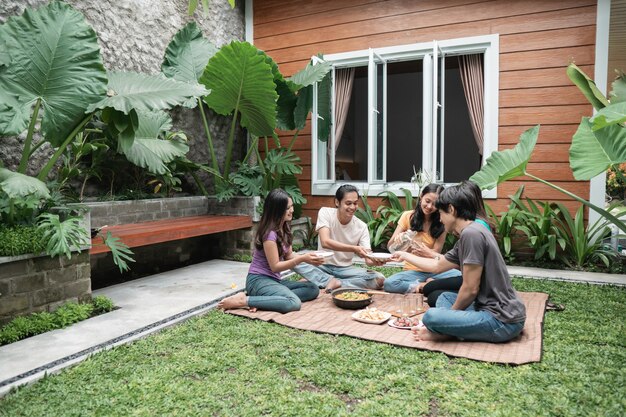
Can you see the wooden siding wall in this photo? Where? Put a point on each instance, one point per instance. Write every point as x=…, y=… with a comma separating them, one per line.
x=538, y=39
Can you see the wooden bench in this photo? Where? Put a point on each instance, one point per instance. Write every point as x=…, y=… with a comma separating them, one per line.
x=148, y=233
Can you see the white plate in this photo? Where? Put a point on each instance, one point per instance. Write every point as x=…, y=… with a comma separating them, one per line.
x=356, y=317
x=392, y=323
x=379, y=255
x=324, y=254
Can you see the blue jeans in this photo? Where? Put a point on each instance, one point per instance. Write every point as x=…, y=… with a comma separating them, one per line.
x=406, y=281
x=350, y=276
x=266, y=293
x=468, y=324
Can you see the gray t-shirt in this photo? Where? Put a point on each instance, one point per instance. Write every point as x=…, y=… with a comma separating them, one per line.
x=477, y=246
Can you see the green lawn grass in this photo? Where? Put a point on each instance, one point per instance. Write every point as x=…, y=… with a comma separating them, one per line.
x=222, y=365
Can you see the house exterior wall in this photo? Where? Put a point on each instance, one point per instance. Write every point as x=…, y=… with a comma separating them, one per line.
x=538, y=39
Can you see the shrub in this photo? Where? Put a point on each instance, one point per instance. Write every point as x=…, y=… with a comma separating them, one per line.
x=102, y=305
x=19, y=239
x=22, y=327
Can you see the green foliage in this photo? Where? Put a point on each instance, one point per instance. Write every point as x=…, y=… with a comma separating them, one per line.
x=382, y=224
x=55, y=63
x=584, y=245
x=538, y=223
x=20, y=239
x=120, y=251
x=102, y=304
x=71, y=313
x=62, y=236
x=22, y=327
x=241, y=84
x=505, y=225
x=597, y=145
x=187, y=54
x=309, y=235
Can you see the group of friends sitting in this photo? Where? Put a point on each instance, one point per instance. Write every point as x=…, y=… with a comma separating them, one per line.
x=468, y=288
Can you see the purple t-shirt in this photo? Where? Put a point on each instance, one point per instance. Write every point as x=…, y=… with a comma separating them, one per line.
x=259, y=263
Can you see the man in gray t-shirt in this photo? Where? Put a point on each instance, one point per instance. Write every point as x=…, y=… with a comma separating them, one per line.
x=486, y=308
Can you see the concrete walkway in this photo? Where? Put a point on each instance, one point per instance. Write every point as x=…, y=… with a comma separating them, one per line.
x=149, y=304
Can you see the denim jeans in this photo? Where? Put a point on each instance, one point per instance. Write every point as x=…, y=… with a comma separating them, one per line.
x=406, y=281
x=350, y=276
x=266, y=293
x=468, y=324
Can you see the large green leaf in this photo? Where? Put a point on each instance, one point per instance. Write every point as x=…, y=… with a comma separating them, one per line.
x=324, y=120
x=130, y=90
x=311, y=74
x=303, y=107
x=53, y=56
x=148, y=150
x=304, y=81
x=241, y=80
x=507, y=164
x=587, y=86
x=285, y=106
x=610, y=115
x=187, y=54
x=17, y=185
x=593, y=152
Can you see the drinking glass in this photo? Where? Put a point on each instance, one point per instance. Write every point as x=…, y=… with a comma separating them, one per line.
x=412, y=304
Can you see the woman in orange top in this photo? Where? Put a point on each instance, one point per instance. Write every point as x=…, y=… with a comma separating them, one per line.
x=424, y=234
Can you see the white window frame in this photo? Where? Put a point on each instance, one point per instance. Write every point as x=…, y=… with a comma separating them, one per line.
x=488, y=45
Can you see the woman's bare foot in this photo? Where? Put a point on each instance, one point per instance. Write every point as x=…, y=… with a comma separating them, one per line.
x=422, y=334
x=333, y=284
x=380, y=282
x=238, y=300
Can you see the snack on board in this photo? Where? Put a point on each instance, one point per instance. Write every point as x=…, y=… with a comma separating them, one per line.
x=373, y=314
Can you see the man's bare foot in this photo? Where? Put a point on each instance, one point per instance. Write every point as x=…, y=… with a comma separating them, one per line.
x=422, y=334
x=333, y=284
x=238, y=300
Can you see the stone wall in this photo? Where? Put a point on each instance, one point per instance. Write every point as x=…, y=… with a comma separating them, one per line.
x=133, y=35
x=33, y=284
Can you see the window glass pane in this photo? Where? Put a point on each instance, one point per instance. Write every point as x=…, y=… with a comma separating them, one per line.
x=351, y=144
x=380, y=126
x=461, y=154
x=404, y=119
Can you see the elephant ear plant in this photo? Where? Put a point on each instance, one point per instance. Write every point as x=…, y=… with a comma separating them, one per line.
x=598, y=144
x=246, y=84
x=51, y=75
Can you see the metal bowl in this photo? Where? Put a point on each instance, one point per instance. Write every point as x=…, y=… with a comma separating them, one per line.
x=351, y=304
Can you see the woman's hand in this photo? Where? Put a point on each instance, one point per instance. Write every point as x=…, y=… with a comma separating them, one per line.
x=419, y=249
x=312, y=258
x=398, y=256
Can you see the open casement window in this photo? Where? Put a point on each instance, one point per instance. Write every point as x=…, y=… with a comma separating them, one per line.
x=429, y=108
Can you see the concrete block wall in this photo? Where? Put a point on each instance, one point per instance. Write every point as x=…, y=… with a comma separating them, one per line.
x=32, y=284
x=112, y=213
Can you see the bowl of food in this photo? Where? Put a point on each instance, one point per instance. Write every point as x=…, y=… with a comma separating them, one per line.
x=351, y=298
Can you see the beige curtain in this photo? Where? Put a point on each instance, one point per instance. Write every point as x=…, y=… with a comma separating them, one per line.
x=471, y=67
x=344, y=78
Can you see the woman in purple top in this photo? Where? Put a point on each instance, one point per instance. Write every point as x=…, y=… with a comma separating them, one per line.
x=264, y=287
